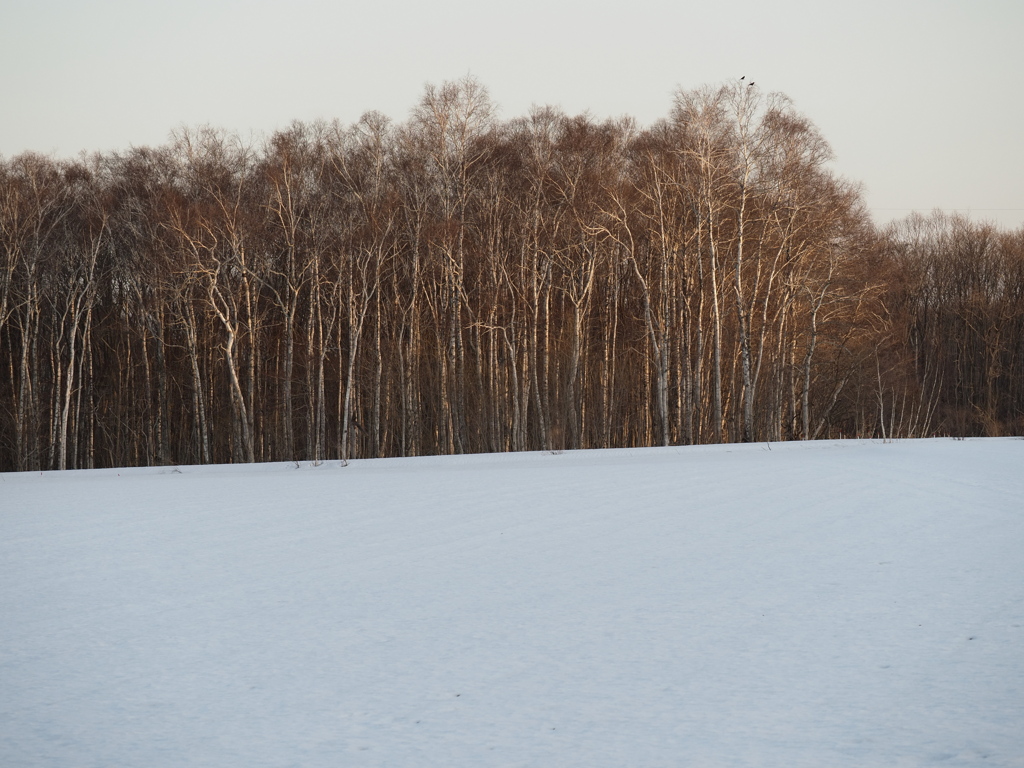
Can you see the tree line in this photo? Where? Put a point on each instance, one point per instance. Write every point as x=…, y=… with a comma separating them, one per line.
x=459, y=283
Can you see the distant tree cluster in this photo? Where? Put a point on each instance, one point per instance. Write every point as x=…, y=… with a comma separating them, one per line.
x=955, y=298
x=457, y=283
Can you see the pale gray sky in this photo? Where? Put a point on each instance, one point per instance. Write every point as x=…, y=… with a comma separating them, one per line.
x=920, y=99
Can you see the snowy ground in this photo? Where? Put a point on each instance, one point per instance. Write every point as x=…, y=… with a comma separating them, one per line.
x=817, y=604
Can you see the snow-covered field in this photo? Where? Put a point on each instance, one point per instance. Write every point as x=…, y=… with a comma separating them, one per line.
x=804, y=604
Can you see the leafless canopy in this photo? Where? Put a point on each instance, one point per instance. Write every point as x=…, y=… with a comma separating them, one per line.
x=459, y=283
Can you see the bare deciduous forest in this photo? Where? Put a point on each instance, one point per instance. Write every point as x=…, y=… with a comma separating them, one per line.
x=459, y=283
